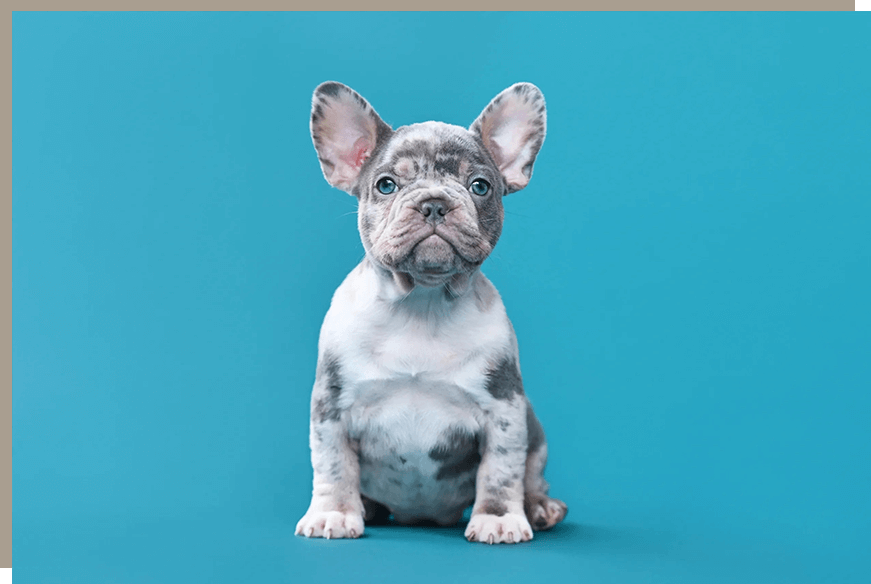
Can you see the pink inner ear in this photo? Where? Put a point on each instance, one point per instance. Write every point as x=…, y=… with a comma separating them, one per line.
x=358, y=153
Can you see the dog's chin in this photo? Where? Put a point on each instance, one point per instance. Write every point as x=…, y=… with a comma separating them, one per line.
x=432, y=262
x=432, y=258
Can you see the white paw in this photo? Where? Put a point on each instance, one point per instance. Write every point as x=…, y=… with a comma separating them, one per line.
x=330, y=524
x=508, y=528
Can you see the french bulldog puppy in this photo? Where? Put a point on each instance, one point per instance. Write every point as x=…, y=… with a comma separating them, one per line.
x=418, y=408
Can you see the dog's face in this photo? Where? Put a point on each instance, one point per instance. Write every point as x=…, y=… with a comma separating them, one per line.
x=430, y=194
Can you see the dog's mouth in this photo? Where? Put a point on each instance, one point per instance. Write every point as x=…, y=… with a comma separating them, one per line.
x=430, y=255
x=432, y=258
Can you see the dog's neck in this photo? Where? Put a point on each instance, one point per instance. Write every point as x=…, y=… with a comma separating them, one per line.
x=400, y=289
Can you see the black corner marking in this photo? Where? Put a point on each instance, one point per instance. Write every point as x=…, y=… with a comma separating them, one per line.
x=503, y=380
x=459, y=454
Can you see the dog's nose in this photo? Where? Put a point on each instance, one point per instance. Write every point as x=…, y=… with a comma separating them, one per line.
x=434, y=210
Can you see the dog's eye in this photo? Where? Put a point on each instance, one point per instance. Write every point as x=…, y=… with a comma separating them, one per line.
x=385, y=186
x=480, y=187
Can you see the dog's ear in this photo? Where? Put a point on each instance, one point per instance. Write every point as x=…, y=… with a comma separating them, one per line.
x=345, y=131
x=512, y=128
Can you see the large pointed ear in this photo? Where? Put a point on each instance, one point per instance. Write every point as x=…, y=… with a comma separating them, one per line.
x=512, y=128
x=345, y=131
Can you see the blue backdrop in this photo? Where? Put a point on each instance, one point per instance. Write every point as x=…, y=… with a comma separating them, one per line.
x=688, y=275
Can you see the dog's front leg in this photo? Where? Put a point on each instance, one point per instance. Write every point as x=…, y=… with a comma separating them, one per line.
x=336, y=508
x=498, y=515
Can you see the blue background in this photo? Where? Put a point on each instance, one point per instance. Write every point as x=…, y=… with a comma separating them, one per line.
x=688, y=275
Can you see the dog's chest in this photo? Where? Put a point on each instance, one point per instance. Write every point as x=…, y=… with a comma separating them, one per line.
x=418, y=345
x=414, y=398
x=418, y=445
x=409, y=388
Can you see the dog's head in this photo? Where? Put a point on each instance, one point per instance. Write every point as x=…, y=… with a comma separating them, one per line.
x=430, y=194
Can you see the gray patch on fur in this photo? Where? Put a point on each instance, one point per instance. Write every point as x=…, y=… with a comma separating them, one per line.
x=459, y=454
x=534, y=430
x=491, y=507
x=503, y=380
x=326, y=406
x=325, y=410
x=331, y=88
x=332, y=375
x=447, y=165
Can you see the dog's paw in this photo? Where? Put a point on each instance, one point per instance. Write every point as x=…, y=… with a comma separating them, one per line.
x=330, y=525
x=508, y=528
x=544, y=512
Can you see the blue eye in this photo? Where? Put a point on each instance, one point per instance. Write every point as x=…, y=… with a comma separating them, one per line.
x=480, y=187
x=385, y=186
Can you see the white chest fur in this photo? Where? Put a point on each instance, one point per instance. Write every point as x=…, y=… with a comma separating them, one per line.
x=413, y=371
x=421, y=339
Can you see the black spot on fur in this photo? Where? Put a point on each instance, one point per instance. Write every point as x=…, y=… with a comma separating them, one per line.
x=503, y=381
x=491, y=507
x=459, y=454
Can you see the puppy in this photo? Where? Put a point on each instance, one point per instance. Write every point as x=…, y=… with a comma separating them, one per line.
x=418, y=408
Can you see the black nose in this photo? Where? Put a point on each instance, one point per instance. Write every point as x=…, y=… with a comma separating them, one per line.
x=434, y=210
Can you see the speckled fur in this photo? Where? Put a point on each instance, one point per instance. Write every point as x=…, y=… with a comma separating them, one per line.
x=418, y=407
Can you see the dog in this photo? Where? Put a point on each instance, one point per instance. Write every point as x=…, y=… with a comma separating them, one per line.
x=418, y=408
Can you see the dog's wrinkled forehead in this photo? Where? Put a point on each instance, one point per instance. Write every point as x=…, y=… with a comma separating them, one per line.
x=434, y=150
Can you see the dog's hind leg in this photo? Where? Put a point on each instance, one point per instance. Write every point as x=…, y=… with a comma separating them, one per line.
x=374, y=513
x=542, y=511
